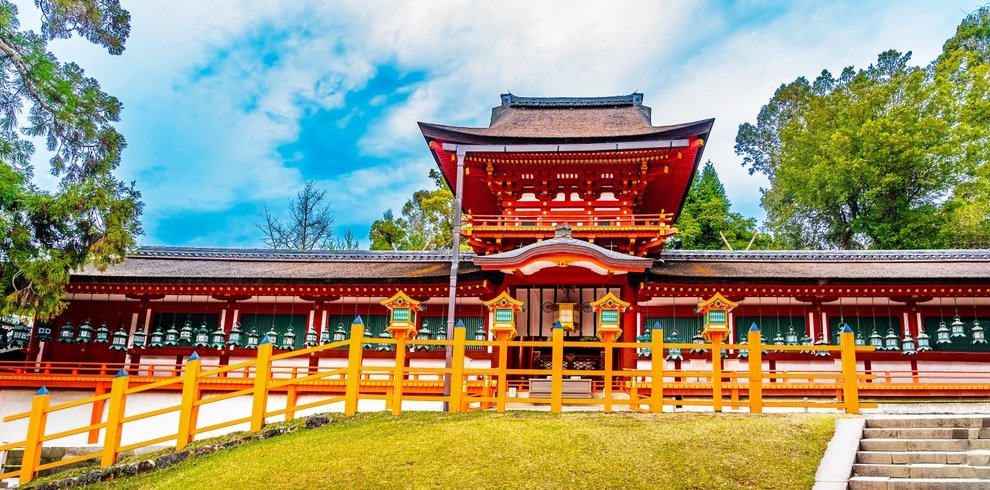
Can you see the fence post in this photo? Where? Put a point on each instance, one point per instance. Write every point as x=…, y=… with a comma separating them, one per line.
x=607, y=389
x=187, y=408
x=755, y=369
x=36, y=430
x=399, y=372
x=115, y=412
x=557, y=370
x=457, y=370
x=355, y=357
x=502, y=385
x=262, y=374
x=850, y=379
x=716, y=338
x=656, y=369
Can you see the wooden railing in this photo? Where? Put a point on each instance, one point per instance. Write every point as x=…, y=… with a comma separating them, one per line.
x=471, y=388
x=577, y=221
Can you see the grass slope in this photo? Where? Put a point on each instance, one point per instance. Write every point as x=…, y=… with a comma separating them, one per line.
x=519, y=450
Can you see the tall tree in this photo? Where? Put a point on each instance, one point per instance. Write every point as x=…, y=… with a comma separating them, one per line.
x=707, y=222
x=91, y=217
x=308, y=227
x=962, y=74
x=426, y=223
x=865, y=160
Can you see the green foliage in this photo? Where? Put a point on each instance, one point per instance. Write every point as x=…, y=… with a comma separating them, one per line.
x=706, y=218
x=962, y=74
x=865, y=160
x=426, y=223
x=91, y=218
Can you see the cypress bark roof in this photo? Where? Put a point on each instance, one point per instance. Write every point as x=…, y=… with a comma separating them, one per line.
x=181, y=264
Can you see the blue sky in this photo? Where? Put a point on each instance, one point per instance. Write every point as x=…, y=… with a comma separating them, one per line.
x=231, y=104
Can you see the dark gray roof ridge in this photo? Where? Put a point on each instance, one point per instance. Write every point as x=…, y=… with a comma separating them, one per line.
x=164, y=252
x=825, y=255
x=633, y=99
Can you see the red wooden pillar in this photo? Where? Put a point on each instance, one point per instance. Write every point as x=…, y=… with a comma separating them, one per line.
x=627, y=357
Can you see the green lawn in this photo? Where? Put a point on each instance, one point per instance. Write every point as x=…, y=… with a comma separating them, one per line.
x=519, y=450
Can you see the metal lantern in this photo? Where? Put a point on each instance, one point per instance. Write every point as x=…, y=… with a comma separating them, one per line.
x=385, y=347
x=821, y=341
x=325, y=337
x=202, y=336
x=979, y=336
x=479, y=333
x=743, y=353
x=891, y=341
x=102, y=334
x=43, y=331
x=289, y=338
x=807, y=340
x=907, y=345
x=85, y=333
x=441, y=333
x=272, y=335
x=234, y=338
x=139, y=338
x=942, y=334
x=923, y=341
x=778, y=339
x=424, y=334
x=67, y=333
x=252, y=337
x=311, y=336
x=367, y=335
x=119, y=341
x=876, y=340
x=860, y=340
x=217, y=340
x=646, y=338
x=171, y=336
x=673, y=353
x=339, y=334
x=157, y=337
x=792, y=336
x=186, y=333
x=697, y=339
x=20, y=336
x=958, y=328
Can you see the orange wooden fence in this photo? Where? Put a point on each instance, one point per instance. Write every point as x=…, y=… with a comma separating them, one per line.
x=471, y=388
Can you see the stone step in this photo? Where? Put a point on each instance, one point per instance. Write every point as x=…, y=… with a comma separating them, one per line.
x=909, y=457
x=927, y=422
x=948, y=471
x=902, y=445
x=885, y=483
x=922, y=433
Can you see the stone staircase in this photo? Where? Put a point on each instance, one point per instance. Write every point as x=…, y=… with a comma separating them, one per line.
x=923, y=453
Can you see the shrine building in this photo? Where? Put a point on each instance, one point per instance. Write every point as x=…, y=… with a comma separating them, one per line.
x=564, y=202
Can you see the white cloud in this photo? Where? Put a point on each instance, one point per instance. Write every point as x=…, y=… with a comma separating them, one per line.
x=205, y=111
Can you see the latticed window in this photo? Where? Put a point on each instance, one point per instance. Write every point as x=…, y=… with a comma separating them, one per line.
x=503, y=315
x=610, y=316
x=400, y=314
x=716, y=316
